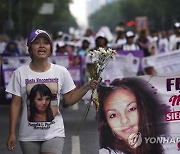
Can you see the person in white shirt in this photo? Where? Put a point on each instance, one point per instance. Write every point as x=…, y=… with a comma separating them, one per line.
x=130, y=44
x=2, y=45
x=58, y=42
x=41, y=134
x=163, y=43
x=174, y=39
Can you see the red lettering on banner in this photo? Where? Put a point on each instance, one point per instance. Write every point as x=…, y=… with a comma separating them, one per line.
x=175, y=100
x=172, y=116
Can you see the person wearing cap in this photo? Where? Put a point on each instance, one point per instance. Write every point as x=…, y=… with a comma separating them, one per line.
x=60, y=49
x=120, y=39
x=43, y=136
x=101, y=41
x=89, y=34
x=58, y=42
x=174, y=39
x=130, y=45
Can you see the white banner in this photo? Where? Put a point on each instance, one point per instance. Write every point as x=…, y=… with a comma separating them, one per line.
x=60, y=60
x=121, y=66
x=165, y=63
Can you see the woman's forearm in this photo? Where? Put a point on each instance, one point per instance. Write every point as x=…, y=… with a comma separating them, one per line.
x=14, y=113
x=77, y=94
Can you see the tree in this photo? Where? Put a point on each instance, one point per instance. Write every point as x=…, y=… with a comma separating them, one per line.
x=61, y=20
x=25, y=16
x=161, y=14
x=108, y=15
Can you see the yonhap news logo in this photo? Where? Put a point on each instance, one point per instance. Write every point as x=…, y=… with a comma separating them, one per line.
x=136, y=140
x=162, y=140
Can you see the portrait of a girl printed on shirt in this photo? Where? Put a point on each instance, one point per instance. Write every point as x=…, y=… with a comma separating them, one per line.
x=42, y=103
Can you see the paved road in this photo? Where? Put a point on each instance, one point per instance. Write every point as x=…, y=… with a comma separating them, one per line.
x=86, y=142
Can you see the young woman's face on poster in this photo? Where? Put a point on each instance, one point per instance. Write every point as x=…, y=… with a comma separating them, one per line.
x=41, y=102
x=121, y=113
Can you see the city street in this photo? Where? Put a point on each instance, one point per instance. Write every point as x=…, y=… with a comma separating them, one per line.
x=86, y=142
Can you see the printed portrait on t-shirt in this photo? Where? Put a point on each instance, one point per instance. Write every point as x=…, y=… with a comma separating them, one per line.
x=42, y=103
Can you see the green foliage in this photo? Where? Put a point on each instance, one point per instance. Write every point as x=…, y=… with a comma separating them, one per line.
x=25, y=16
x=3, y=13
x=161, y=14
x=109, y=15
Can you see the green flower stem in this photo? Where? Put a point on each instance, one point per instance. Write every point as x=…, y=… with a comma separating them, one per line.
x=86, y=111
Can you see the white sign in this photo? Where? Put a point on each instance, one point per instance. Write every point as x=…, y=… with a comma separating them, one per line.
x=165, y=63
x=60, y=60
x=121, y=66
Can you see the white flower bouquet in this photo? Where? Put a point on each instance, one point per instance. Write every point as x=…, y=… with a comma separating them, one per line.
x=99, y=59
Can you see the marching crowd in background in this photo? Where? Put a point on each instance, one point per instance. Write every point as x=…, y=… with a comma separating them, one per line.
x=77, y=44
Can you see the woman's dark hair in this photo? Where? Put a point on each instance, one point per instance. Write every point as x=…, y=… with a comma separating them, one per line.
x=149, y=111
x=43, y=91
x=11, y=49
x=98, y=43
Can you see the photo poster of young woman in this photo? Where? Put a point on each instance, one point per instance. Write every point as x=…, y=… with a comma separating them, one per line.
x=139, y=115
x=42, y=102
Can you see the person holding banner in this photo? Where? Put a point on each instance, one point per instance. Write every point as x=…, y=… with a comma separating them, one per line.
x=128, y=112
x=144, y=43
x=43, y=136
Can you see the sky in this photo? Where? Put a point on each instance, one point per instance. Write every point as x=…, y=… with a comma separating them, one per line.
x=78, y=10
